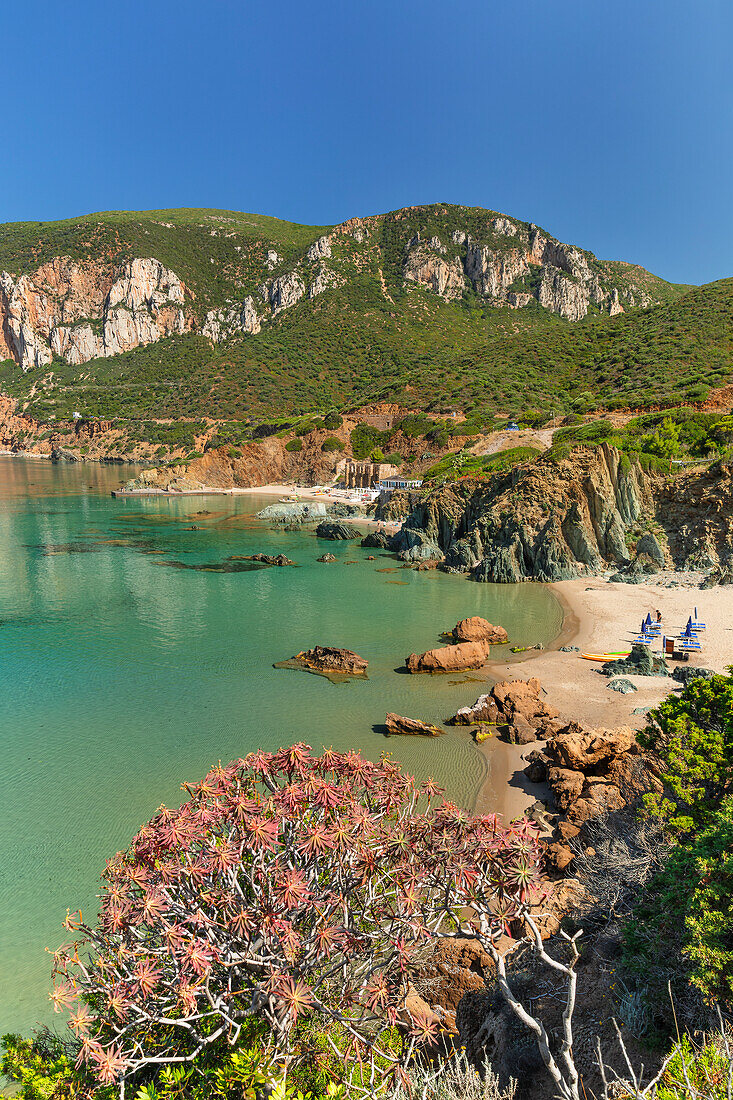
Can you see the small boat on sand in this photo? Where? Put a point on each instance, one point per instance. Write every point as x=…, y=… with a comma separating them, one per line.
x=605, y=656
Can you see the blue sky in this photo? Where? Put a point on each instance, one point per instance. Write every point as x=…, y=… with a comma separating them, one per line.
x=608, y=124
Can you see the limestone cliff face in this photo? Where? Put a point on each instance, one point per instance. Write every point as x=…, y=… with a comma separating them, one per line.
x=81, y=311
x=545, y=521
x=563, y=279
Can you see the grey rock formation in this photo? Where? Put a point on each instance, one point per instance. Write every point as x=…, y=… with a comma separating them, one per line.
x=337, y=532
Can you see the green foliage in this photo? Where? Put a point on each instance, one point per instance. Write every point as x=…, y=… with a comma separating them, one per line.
x=416, y=425
x=685, y=913
x=332, y=443
x=332, y=421
x=394, y=459
x=701, y=1071
x=665, y=442
x=464, y=464
x=364, y=439
x=42, y=1068
x=354, y=345
x=294, y=445
x=692, y=734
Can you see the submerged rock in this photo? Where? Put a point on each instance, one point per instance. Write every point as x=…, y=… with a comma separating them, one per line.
x=270, y=559
x=397, y=724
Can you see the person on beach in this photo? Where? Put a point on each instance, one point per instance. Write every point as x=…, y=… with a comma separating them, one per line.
x=659, y=616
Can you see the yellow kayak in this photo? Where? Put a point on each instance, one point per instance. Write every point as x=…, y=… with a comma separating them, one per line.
x=605, y=656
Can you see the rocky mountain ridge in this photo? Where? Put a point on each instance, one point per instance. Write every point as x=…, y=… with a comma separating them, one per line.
x=76, y=309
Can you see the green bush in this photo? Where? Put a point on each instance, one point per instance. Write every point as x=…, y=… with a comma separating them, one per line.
x=364, y=439
x=294, y=445
x=333, y=421
x=332, y=443
x=686, y=912
x=692, y=734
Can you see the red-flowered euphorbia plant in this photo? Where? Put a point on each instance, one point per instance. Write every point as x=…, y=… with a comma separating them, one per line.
x=287, y=884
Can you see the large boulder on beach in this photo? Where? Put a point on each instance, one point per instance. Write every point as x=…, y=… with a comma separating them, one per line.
x=640, y=662
x=516, y=705
x=587, y=750
x=476, y=629
x=337, y=532
x=411, y=727
x=449, y=658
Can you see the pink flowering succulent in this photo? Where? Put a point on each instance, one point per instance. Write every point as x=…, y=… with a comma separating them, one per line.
x=287, y=884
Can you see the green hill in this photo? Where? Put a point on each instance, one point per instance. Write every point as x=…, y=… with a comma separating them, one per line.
x=437, y=307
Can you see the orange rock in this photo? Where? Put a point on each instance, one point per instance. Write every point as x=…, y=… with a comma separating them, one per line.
x=449, y=658
x=477, y=629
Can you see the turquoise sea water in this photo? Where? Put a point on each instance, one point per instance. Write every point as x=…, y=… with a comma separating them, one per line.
x=124, y=672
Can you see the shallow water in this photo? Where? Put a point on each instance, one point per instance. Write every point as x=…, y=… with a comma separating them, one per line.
x=120, y=676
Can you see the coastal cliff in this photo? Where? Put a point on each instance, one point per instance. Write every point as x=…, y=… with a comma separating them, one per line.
x=548, y=520
x=554, y=520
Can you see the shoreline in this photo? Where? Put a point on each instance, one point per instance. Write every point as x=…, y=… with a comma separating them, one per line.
x=600, y=616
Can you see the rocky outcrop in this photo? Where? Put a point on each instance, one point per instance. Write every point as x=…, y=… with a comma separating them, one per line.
x=549, y=520
x=696, y=512
x=423, y=264
x=82, y=311
x=376, y=540
x=329, y=660
x=594, y=772
x=449, y=658
x=411, y=727
x=640, y=662
x=477, y=629
x=515, y=263
x=336, y=532
x=516, y=707
x=270, y=559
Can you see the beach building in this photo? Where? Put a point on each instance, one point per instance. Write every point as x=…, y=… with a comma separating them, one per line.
x=392, y=483
x=365, y=475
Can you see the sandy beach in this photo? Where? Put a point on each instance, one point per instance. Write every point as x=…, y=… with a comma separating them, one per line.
x=601, y=617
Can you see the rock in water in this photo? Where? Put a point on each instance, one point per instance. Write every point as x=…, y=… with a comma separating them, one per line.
x=449, y=658
x=396, y=724
x=270, y=559
x=336, y=532
x=327, y=661
x=477, y=629
x=326, y=557
x=376, y=540
x=293, y=513
x=516, y=706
